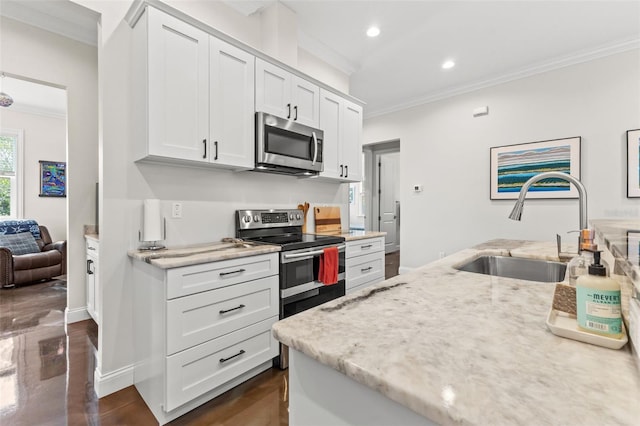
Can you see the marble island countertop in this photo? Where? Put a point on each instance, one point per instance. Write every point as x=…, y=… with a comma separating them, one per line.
x=465, y=348
x=202, y=253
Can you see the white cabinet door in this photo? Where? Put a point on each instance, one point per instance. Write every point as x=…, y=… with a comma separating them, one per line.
x=178, y=88
x=331, y=123
x=305, y=101
x=352, y=142
x=273, y=90
x=281, y=93
x=231, y=105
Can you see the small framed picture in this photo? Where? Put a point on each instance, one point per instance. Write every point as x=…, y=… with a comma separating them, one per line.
x=53, y=179
x=633, y=163
x=513, y=165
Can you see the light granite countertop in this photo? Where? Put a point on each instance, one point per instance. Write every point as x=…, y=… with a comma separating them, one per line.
x=354, y=235
x=465, y=348
x=202, y=253
x=95, y=237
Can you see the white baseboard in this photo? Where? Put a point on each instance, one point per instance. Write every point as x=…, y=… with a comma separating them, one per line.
x=404, y=270
x=76, y=314
x=112, y=382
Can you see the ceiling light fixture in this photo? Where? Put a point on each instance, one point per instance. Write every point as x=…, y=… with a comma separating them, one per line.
x=373, y=31
x=5, y=100
x=448, y=65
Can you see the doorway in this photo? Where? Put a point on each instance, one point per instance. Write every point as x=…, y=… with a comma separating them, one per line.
x=379, y=197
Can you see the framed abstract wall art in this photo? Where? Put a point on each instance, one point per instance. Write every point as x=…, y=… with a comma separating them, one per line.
x=513, y=165
x=53, y=179
x=633, y=163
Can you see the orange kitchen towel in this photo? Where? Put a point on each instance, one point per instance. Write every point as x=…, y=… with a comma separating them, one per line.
x=328, y=271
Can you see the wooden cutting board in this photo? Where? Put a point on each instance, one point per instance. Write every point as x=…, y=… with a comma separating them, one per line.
x=327, y=220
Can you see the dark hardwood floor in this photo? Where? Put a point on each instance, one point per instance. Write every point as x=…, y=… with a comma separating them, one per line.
x=46, y=374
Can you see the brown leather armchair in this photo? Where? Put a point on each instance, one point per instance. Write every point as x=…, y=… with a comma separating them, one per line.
x=50, y=262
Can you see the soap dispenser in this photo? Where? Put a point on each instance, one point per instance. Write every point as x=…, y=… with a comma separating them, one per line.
x=598, y=301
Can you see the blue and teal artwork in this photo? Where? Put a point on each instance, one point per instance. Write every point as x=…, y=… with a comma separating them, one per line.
x=53, y=179
x=516, y=167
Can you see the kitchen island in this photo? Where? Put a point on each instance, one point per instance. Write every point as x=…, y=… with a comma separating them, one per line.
x=443, y=346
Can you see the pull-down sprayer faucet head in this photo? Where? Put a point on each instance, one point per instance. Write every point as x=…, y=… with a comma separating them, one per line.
x=516, y=213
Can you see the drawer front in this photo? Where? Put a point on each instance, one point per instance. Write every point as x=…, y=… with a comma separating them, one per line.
x=363, y=269
x=361, y=247
x=208, y=276
x=92, y=246
x=365, y=285
x=198, y=370
x=197, y=318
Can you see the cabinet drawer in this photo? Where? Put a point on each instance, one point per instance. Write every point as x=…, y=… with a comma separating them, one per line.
x=92, y=246
x=198, y=370
x=360, y=247
x=365, y=285
x=194, y=319
x=363, y=269
x=198, y=278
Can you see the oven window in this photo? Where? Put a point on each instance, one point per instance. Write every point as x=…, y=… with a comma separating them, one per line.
x=296, y=273
x=325, y=294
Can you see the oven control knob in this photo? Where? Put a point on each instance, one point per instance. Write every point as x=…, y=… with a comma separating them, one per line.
x=298, y=216
x=247, y=218
x=291, y=216
x=256, y=218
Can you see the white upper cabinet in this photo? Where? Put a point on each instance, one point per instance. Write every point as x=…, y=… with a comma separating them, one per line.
x=178, y=88
x=195, y=95
x=231, y=104
x=341, y=122
x=281, y=93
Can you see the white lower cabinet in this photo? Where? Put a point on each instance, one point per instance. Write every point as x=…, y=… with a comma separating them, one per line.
x=92, y=279
x=202, y=329
x=364, y=263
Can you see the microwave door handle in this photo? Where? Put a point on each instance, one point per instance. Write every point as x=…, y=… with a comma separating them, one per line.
x=315, y=148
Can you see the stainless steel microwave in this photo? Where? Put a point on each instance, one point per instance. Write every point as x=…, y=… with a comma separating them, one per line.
x=284, y=146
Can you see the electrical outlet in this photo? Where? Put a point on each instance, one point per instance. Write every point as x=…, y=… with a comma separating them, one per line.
x=441, y=255
x=417, y=188
x=176, y=210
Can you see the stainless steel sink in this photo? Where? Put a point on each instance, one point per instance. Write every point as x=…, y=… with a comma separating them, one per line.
x=517, y=267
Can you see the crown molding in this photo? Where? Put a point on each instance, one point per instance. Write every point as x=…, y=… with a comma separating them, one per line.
x=325, y=53
x=540, y=68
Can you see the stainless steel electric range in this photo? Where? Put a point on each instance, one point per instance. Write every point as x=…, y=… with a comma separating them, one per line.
x=300, y=253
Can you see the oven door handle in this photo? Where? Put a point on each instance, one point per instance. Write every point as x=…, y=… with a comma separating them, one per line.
x=315, y=148
x=308, y=253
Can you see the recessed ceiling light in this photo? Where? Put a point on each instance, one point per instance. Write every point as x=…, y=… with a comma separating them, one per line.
x=448, y=65
x=373, y=31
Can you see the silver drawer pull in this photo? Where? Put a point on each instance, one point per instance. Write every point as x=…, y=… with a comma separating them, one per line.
x=222, y=274
x=366, y=269
x=224, y=311
x=232, y=356
x=368, y=246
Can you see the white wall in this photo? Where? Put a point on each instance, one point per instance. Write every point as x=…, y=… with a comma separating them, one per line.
x=31, y=52
x=209, y=196
x=45, y=138
x=447, y=150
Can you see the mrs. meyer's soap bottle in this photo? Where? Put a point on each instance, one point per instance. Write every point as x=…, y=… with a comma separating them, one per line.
x=598, y=301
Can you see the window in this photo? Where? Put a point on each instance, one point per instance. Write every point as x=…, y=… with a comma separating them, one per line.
x=11, y=174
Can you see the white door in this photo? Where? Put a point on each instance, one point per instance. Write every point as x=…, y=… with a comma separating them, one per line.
x=305, y=101
x=351, y=142
x=231, y=104
x=178, y=68
x=330, y=123
x=388, y=168
x=273, y=90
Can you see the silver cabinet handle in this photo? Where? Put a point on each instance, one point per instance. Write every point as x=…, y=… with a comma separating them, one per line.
x=315, y=146
x=367, y=246
x=232, y=356
x=222, y=274
x=224, y=311
x=307, y=253
x=366, y=269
